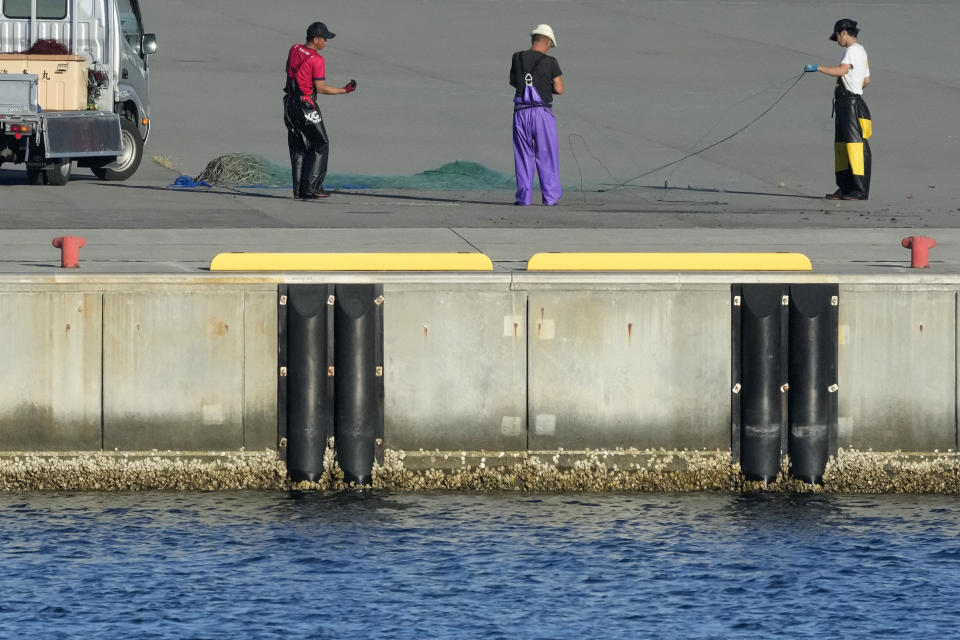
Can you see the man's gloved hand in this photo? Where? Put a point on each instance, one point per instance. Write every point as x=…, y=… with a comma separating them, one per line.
x=308, y=102
x=351, y=86
x=810, y=67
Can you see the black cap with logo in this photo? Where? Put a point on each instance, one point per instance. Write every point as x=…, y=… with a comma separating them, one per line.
x=844, y=24
x=319, y=30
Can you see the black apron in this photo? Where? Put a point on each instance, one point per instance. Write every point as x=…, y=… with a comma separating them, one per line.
x=852, y=130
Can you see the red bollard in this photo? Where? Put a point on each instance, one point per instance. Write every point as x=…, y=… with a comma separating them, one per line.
x=919, y=250
x=69, y=250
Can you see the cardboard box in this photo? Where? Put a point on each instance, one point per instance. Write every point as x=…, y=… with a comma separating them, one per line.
x=62, y=84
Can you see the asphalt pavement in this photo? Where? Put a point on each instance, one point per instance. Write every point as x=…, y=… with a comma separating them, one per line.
x=647, y=83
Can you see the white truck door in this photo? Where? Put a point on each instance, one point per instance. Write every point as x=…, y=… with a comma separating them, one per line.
x=134, y=72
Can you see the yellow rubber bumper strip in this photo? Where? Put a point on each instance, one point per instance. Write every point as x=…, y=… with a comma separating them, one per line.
x=669, y=262
x=351, y=262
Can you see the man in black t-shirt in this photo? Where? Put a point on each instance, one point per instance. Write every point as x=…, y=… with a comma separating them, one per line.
x=536, y=77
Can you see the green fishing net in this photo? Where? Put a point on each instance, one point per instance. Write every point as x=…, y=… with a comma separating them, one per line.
x=246, y=170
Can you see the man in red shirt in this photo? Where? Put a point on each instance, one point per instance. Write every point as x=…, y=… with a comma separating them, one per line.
x=306, y=134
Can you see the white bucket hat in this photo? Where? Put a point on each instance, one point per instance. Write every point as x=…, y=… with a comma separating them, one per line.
x=544, y=30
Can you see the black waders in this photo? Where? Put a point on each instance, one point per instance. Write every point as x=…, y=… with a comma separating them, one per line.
x=852, y=130
x=308, y=143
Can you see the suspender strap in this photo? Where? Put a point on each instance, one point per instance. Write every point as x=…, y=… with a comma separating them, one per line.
x=519, y=78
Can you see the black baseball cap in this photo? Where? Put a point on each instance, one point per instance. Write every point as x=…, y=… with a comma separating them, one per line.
x=319, y=30
x=844, y=24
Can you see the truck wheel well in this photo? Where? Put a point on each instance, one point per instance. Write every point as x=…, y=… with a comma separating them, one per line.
x=129, y=111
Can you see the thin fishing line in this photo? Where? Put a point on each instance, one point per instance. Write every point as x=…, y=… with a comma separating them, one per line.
x=727, y=111
x=718, y=142
x=699, y=140
x=570, y=138
x=475, y=247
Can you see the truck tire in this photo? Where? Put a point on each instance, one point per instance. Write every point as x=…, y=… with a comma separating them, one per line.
x=36, y=176
x=58, y=172
x=128, y=161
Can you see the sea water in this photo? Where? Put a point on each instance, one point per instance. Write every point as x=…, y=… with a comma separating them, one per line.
x=461, y=565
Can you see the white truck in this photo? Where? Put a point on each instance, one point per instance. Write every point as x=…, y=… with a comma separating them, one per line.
x=104, y=128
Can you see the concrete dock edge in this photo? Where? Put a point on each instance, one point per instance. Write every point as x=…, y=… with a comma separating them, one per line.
x=496, y=362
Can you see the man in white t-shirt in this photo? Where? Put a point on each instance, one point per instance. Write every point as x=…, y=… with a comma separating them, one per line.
x=853, y=125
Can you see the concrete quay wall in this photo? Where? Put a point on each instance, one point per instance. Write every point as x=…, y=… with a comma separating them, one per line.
x=496, y=362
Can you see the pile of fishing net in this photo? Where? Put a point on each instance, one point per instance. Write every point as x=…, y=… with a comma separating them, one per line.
x=458, y=175
x=47, y=47
x=246, y=170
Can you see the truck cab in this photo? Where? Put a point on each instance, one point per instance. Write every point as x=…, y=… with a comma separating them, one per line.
x=108, y=131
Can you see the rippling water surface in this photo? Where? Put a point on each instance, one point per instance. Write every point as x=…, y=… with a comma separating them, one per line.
x=258, y=565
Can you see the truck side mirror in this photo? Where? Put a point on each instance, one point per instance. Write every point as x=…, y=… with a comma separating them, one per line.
x=148, y=43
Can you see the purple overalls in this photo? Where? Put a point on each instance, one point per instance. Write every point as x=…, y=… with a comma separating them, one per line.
x=535, y=146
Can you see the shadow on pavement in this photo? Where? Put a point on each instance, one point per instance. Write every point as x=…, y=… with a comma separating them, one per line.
x=206, y=191
x=396, y=196
x=900, y=265
x=18, y=176
x=614, y=188
x=249, y=193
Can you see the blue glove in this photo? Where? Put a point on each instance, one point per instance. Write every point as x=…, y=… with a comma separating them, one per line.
x=810, y=67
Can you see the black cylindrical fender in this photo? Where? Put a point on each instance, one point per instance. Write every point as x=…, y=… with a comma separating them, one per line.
x=309, y=389
x=813, y=377
x=762, y=380
x=358, y=412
